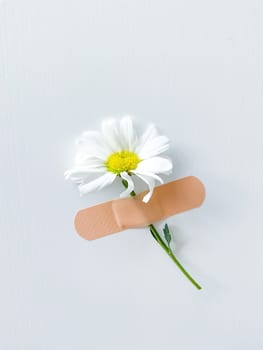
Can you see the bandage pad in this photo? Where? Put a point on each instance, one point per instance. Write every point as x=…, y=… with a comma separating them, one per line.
x=117, y=215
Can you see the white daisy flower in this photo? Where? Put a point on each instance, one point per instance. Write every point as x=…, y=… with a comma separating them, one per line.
x=117, y=151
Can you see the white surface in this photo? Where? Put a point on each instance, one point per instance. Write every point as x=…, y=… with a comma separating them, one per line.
x=195, y=69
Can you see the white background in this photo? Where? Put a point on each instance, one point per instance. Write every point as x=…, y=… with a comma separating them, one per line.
x=195, y=69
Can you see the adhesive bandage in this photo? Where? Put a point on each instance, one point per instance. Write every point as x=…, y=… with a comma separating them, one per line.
x=120, y=214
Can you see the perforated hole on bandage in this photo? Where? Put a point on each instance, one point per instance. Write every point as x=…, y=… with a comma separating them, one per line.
x=121, y=214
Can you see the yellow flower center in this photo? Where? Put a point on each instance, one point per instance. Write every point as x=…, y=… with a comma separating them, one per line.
x=122, y=161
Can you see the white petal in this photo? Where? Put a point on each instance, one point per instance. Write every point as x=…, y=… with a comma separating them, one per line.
x=130, y=187
x=80, y=174
x=93, y=144
x=155, y=165
x=150, y=182
x=154, y=147
x=83, y=159
x=156, y=177
x=110, y=131
x=128, y=134
x=97, y=184
x=150, y=133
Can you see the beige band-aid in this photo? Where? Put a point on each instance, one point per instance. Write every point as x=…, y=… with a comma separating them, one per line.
x=120, y=214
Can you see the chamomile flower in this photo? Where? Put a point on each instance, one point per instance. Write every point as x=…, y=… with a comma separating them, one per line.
x=117, y=151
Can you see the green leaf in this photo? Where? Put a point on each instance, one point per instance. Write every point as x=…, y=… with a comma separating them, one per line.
x=167, y=234
x=125, y=183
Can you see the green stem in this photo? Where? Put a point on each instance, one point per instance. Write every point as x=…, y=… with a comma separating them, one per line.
x=166, y=248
